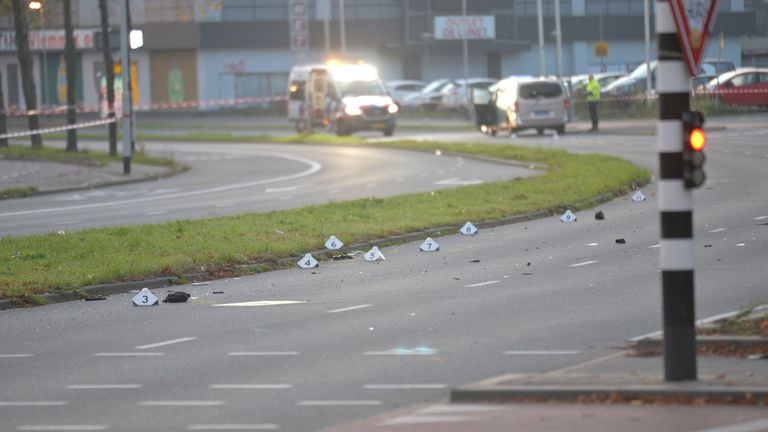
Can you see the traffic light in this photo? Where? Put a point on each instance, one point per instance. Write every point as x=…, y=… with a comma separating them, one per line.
x=694, y=141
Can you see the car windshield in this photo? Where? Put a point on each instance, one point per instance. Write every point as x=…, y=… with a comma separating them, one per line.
x=641, y=71
x=361, y=88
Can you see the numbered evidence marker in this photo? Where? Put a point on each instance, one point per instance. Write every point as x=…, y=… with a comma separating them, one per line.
x=429, y=245
x=638, y=196
x=468, y=229
x=145, y=298
x=333, y=243
x=308, y=262
x=568, y=216
x=374, y=255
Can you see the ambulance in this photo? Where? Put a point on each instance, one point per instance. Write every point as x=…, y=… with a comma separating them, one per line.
x=340, y=97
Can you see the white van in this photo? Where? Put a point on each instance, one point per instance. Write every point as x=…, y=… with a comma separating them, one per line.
x=341, y=97
x=519, y=103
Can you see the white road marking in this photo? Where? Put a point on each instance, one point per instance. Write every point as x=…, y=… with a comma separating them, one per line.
x=233, y=427
x=103, y=386
x=250, y=386
x=656, y=246
x=260, y=303
x=15, y=355
x=753, y=426
x=456, y=181
x=351, y=308
x=339, y=403
x=716, y=230
x=129, y=354
x=182, y=403
x=69, y=222
x=170, y=342
x=561, y=352
x=759, y=218
x=313, y=168
x=32, y=403
x=592, y=244
x=285, y=189
x=482, y=284
x=702, y=321
x=62, y=427
x=584, y=263
x=155, y=213
x=404, y=386
x=264, y=353
x=402, y=352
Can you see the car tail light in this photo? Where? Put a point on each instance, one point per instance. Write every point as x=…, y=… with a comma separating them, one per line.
x=566, y=104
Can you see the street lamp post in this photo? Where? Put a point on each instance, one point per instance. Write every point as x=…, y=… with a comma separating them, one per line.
x=40, y=7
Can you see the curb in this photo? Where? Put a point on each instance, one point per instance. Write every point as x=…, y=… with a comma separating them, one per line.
x=655, y=345
x=613, y=392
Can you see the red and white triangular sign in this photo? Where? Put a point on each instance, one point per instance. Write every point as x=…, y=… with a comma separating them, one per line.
x=694, y=20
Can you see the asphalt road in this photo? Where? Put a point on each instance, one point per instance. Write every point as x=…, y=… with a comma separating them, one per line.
x=228, y=179
x=353, y=339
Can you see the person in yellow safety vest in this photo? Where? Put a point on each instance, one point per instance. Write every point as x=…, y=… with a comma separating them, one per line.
x=593, y=98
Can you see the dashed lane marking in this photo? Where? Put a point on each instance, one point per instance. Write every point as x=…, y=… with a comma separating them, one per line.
x=263, y=353
x=129, y=354
x=32, y=403
x=759, y=218
x=351, y=308
x=62, y=427
x=581, y=264
x=716, y=230
x=15, y=355
x=170, y=342
x=260, y=303
x=482, y=284
x=554, y=352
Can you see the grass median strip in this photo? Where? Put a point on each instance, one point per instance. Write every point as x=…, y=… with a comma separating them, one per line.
x=33, y=265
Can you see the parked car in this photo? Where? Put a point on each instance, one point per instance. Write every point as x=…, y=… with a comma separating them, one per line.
x=716, y=67
x=515, y=104
x=455, y=94
x=429, y=96
x=632, y=84
x=743, y=86
x=578, y=83
x=400, y=89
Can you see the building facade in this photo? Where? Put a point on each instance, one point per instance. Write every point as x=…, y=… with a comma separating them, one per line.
x=217, y=51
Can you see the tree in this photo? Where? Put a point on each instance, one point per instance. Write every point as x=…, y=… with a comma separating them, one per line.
x=109, y=70
x=70, y=62
x=25, y=65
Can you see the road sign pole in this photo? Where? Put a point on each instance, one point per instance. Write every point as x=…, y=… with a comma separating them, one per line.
x=676, y=258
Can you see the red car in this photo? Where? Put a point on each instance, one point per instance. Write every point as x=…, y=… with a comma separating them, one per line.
x=743, y=86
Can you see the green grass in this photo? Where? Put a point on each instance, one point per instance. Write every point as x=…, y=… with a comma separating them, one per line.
x=83, y=157
x=65, y=262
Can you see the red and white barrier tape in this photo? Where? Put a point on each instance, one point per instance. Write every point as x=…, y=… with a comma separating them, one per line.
x=58, y=128
x=152, y=107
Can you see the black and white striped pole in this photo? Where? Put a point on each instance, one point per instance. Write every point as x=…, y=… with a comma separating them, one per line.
x=676, y=256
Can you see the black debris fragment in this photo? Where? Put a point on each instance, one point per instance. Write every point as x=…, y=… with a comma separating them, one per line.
x=177, y=297
x=95, y=298
x=600, y=215
x=707, y=245
x=475, y=261
x=342, y=257
x=621, y=241
x=527, y=274
x=528, y=265
x=218, y=292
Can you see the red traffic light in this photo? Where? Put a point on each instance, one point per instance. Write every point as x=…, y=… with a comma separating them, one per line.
x=698, y=139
